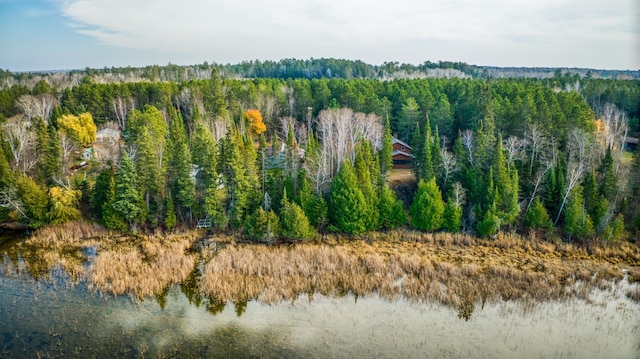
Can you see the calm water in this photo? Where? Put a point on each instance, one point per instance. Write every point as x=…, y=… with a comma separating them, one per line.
x=55, y=315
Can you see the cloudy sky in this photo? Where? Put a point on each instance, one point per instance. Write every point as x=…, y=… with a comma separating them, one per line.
x=68, y=34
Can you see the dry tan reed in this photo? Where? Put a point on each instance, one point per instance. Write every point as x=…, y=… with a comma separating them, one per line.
x=143, y=270
x=451, y=269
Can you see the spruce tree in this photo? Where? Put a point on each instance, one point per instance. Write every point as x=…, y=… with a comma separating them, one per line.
x=577, y=221
x=609, y=178
x=427, y=208
x=347, y=205
x=262, y=226
x=128, y=199
x=386, y=159
x=392, y=214
x=452, y=216
x=363, y=164
x=294, y=224
x=537, y=216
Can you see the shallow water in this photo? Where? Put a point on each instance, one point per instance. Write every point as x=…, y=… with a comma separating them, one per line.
x=55, y=315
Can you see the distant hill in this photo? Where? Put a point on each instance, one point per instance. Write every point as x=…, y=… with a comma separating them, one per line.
x=304, y=69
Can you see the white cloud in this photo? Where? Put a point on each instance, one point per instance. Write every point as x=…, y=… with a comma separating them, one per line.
x=374, y=31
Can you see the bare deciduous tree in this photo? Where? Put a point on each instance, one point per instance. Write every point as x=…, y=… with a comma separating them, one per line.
x=468, y=143
x=513, y=146
x=121, y=108
x=578, y=162
x=22, y=143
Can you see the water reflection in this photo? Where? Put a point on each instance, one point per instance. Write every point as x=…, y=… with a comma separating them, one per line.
x=52, y=313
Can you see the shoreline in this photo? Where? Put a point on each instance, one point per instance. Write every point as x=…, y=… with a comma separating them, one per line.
x=455, y=270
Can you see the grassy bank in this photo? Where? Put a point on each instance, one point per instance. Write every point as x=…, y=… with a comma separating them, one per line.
x=457, y=270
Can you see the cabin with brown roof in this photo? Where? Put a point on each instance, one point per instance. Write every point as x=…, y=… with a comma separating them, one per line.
x=401, y=154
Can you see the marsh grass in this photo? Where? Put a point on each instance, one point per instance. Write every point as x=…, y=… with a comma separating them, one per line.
x=143, y=270
x=455, y=270
x=458, y=270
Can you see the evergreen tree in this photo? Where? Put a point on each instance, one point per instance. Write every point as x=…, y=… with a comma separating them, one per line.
x=213, y=96
x=170, y=219
x=103, y=187
x=392, y=214
x=262, y=226
x=506, y=187
x=179, y=177
x=386, y=158
x=609, y=178
x=294, y=224
x=128, y=200
x=452, y=216
x=34, y=199
x=363, y=164
x=577, y=221
x=436, y=158
x=315, y=207
x=427, y=208
x=347, y=205
x=418, y=152
x=537, y=216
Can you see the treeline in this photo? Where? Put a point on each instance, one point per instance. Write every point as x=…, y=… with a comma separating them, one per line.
x=323, y=68
x=288, y=158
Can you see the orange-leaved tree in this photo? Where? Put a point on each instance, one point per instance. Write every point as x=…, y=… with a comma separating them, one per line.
x=255, y=120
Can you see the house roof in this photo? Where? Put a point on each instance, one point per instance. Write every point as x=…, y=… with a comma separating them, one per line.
x=394, y=153
x=632, y=140
x=395, y=140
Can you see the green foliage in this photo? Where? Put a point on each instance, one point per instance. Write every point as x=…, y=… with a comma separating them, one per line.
x=262, y=226
x=170, y=219
x=577, y=221
x=427, y=208
x=34, y=199
x=615, y=231
x=537, y=216
x=386, y=159
x=127, y=200
x=63, y=205
x=294, y=224
x=392, y=214
x=452, y=217
x=490, y=223
x=347, y=205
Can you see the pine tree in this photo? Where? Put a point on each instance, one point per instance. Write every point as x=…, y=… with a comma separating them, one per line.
x=347, y=205
x=427, y=208
x=436, y=158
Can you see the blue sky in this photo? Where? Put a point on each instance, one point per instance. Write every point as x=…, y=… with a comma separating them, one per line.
x=71, y=34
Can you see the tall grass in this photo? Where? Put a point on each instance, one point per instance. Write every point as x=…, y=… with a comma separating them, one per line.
x=450, y=269
x=144, y=270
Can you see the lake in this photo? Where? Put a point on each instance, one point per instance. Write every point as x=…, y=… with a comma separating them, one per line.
x=49, y=311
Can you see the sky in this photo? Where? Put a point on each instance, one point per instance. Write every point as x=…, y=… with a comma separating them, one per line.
x=38, y=35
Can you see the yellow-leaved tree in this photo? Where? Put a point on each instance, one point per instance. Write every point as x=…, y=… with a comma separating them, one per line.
x=63, y=204
x=80, y=128
x=255, y=120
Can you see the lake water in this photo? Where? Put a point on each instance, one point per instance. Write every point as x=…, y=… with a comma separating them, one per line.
x=56, y=315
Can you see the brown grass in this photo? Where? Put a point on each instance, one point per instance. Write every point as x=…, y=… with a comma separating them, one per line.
x=451, y=269
x=144, y=270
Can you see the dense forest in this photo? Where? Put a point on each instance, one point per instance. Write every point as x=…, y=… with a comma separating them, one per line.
x=274, y=157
